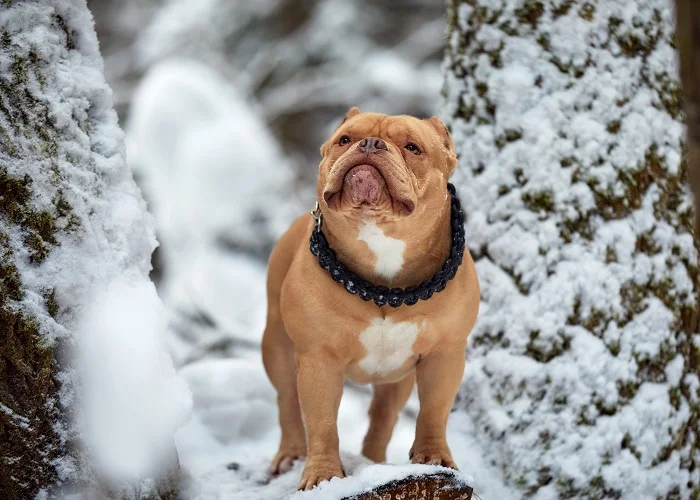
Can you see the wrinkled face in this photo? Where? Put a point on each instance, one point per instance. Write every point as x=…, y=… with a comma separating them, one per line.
x=375, y=164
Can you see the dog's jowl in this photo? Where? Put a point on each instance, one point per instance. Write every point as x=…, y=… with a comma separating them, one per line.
x=375, y=286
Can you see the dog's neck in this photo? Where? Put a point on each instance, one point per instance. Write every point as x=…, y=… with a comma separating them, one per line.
x=394, y=254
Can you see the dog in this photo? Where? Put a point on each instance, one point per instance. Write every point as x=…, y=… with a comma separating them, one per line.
x=385, y=213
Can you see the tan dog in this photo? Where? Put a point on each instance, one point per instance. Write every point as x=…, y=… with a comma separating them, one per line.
x=382, y=189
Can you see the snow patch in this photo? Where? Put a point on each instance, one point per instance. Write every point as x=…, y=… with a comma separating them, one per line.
x=133, y=400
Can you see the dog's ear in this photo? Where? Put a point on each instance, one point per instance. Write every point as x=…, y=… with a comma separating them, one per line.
x=354, y=111
x=447, y=144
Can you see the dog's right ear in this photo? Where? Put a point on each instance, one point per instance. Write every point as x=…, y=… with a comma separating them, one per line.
x=354, y=111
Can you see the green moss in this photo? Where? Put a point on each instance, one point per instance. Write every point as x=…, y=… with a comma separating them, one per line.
x=481, y=89
x=562, y=9
x=61, y=204
x=513, y=135
x=495, y=57
x=39, y=226
x=66, y=31
x=51, y=302
x=561, y=65
x=614, y=347
x=613, y=23
x=73, y=224
x=543, y=41
x=27, y=365
x=614, y=126
x=540, y=201
x=627, y=389
x=671, y=95
x=653, y=368
x=10, y=281
x=627, y=444
x=567, y=161
x=530, y=12
x=14, y=194
x=587, y=11
x=545, y=350
x=506, y=28
x=610, y=255
x=674, y=396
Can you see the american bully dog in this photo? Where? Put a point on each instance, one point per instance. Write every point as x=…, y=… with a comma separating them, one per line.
x=376, y=287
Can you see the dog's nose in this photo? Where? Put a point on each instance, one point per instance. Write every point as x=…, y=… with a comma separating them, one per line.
x=372, y=145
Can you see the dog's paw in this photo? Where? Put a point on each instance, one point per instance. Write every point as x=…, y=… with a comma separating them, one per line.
x=319, y=469
x=285, y=458
x=432, y=455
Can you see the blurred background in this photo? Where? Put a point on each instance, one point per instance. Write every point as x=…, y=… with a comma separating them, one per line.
x=225, y=104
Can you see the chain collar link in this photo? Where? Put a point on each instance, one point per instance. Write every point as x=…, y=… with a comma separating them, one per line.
x=382, y=295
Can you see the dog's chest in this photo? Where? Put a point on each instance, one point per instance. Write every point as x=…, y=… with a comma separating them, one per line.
x=388, y=345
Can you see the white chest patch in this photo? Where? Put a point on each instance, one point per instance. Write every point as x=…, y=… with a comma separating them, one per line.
x=388, y=345
x=388, y=250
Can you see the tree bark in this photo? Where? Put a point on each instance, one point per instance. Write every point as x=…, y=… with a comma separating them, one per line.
x=688, y=30
x=71, y=220
x=567, y=118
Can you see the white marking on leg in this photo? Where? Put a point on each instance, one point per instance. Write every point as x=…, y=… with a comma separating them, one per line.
x=388, y=250
x=389, y=345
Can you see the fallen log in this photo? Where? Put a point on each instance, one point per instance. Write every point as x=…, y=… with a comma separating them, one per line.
x=438, y=486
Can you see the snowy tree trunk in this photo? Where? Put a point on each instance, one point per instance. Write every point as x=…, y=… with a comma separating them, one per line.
x=582, y=373
x=71, y=222
x=688, y=21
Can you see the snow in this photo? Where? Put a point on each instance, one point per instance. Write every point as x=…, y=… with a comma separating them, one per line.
x=134, y=402
x=553, y=354
x=206, y=161
x=228, y=444
x=101, y=257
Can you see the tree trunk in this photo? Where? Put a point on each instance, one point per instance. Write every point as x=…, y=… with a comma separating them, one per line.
x=582, y=374
x=688, y=23
x=71, y=220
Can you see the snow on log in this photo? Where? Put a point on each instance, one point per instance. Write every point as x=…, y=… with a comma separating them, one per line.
x=440, y=486
x=386, y=482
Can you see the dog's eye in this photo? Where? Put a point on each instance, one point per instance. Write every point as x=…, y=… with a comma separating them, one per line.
x=413, y=148
x=344, y=140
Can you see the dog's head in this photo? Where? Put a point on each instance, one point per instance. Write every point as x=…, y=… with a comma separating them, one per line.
x=385, y=166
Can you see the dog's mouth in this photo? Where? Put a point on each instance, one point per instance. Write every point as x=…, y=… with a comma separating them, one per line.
x=364, y=185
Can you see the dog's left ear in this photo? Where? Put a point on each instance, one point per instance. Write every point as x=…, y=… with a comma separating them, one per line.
x=447, y=144
x=354, y=111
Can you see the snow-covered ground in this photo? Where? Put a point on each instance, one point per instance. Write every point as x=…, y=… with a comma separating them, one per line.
x=216, y=294
x=233, y=433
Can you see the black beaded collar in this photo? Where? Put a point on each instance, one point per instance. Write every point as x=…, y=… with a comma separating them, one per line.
x=382, y=295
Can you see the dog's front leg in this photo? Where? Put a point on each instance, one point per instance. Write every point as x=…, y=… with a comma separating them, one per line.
x=439, y=376
x=320, y=385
